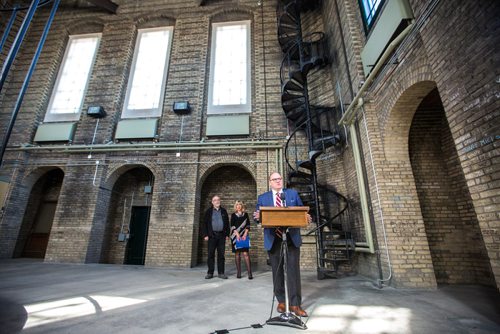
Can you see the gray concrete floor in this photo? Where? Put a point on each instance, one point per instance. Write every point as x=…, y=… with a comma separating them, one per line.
x=37, y=297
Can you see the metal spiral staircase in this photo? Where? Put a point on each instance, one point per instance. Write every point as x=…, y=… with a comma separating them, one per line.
x=315, y=129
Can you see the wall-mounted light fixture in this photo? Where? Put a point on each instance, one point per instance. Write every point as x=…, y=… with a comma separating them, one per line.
x=181, y=107
x=96, y=111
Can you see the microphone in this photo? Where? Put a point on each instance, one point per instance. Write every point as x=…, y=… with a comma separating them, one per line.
x=283, y=198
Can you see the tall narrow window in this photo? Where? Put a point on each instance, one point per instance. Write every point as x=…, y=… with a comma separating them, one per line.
x=230, y=85
x=148, y=76
x=370, y=10
x=67, y=97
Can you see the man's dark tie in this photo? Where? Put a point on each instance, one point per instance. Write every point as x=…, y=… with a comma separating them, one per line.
x=278, y=231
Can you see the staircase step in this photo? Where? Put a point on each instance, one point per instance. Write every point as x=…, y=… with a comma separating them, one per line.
x=294, y=115
x=300, y=118
x=334, y=260
x=326, y=141
x=290, y=15
x=286, y=27
x=292, y=184
x=307, y=164
x=314, y=154
x=300, y=174
x=298, y=76
x=295, y=107
x=287, y=96
x=286, y=41
x=338, y=246
x=334, y=229
x=293, y=85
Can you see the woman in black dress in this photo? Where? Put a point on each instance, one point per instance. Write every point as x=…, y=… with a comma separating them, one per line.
x=240, y=226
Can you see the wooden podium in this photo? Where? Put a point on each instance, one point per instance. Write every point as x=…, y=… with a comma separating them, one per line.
x=293, y=216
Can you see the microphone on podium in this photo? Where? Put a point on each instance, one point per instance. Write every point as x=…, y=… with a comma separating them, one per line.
x=283, y=198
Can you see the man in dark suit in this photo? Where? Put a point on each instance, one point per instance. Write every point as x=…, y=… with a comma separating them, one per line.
x=215, y=230
x=272, y=243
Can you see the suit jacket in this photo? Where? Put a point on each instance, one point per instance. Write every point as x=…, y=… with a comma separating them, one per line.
x=292, y=199
x=207, y=226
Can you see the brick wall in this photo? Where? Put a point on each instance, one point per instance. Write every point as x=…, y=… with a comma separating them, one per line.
x=455, y=241
x=79, y=232
x=454, y=50
x=467, y=82
x=454, y=53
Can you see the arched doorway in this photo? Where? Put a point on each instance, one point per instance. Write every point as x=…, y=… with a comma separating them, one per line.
x=231, y=183
x=126, y=233
x=40, y=211
x=457, y=248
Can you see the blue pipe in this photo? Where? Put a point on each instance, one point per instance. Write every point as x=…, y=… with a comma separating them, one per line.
x=9, y=26
x=17, y=42
x=27, y=79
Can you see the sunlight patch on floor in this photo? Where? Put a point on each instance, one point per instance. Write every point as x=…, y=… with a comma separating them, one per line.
x=360, y=319
x=52, y=311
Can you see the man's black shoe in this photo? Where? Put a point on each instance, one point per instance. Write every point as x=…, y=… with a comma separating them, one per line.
x=223, y=276
x=209, y=276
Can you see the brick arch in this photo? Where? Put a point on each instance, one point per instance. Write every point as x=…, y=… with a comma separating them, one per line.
x=151, y=21
x=215, y=166
x=36, y=173
x=85, y=27
x=119, y=170
x=415, y=74
x=230, y=189
x=398, y=123
x=237, y=12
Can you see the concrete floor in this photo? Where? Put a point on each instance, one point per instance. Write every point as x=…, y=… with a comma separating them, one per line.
x=37, y=297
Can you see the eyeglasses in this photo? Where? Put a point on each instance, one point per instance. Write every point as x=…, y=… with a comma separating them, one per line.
x=276, y=179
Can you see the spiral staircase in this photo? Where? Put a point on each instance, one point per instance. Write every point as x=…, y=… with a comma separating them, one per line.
x=315, y=129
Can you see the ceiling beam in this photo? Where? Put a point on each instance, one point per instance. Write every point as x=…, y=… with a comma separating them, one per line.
x=107, y=5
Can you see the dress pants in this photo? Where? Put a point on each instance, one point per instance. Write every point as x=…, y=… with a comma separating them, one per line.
x=217, y=242
x=293, y=273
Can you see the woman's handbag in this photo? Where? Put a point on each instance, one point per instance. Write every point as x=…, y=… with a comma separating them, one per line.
x=242, y=243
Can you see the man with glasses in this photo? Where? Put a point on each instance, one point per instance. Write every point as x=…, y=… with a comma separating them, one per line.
x=215, y=230
x=272, y=243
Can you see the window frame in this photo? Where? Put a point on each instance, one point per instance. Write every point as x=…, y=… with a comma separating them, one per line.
x=61, y=117
x=144, y=113
x=369, y=18
x=232, y=108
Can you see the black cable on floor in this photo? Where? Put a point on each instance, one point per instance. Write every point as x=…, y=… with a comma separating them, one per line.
x=256, y=326
x=226, y=331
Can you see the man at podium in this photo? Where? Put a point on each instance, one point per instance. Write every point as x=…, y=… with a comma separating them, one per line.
x=272, y=243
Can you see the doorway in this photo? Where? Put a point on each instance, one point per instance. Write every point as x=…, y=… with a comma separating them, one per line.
x=35, y=230
x=238, y=184
x=127, y=222
x=137, y=242
x=38, y=239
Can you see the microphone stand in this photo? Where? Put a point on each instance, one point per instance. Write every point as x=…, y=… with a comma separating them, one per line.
x=288, y=318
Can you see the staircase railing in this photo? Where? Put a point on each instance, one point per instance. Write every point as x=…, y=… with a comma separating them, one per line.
x=302, y=53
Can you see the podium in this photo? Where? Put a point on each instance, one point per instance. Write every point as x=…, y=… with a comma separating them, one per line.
x=292, y=216
x=284, y=217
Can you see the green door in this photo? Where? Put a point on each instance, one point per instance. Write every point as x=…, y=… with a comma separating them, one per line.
x=136, y=246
